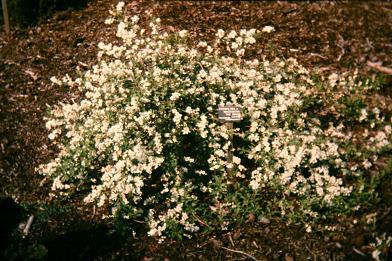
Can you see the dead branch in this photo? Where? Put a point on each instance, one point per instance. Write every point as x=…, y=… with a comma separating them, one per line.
x=319, y=55
x=239, y=252
x=231, y=240
x=201, y=221
x=28, y=225
x=341, y=44
x=379, y=67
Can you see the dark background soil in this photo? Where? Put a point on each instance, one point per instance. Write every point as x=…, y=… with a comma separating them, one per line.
x=328, y=36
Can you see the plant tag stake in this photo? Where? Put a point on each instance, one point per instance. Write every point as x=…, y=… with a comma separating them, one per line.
x=5, y=17
x=228, y=114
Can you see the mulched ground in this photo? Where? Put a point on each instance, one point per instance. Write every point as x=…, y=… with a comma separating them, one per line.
x=329, y=36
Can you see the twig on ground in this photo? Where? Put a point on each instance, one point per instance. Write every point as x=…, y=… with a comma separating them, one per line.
x=325, y=68
x=28, y=225
x=201, y=221
x=239, y=252
x=369, y=44
x=341, y=54
x=379, y=67
x=31, y=74
x=231, y=240
x=386, y=214
x=319, y=55
x=82, y=64
x=358, y=252
x=341, y=45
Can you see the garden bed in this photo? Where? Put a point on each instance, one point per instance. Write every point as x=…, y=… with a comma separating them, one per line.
x=343, y=42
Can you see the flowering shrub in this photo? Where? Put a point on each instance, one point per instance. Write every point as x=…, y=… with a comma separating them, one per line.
x=145, y=140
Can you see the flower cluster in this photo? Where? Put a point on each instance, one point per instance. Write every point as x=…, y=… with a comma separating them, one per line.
x=145, y=136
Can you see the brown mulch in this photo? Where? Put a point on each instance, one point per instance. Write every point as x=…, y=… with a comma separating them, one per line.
x=326, y=35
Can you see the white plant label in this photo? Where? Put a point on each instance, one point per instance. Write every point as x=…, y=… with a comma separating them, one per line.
x=229, y=113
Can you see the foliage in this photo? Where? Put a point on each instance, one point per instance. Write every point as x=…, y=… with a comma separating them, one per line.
x=144, y=142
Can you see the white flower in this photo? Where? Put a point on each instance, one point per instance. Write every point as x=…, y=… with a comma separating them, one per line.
x=186, y=130
x=308, y=228
x=175, y=96
x=188, y=110
x=278, y=78
x=220, y=33
x=189, y=159
x=120, y=6
x=234, y=45
x=268, y=29
x=183, y=33
x=333, y=78
x=220, y=153
x=202, y=75
x=250, y=40
x=236, y=160
x=232, y=34
x=54, y=80
x=363, y=115
x=319, y=191
x=109, y=21
x=376, y=254
x=177, y=116
x=135, y=19
x=202, y=44
x=367, y=164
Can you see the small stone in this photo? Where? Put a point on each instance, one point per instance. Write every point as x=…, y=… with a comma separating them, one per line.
x=288, y=258
x=251, y=218
x=215, y=243
x=267, y=230
x=336, y=238
x=264, y=220
x=359, y=241
x=237, y=234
